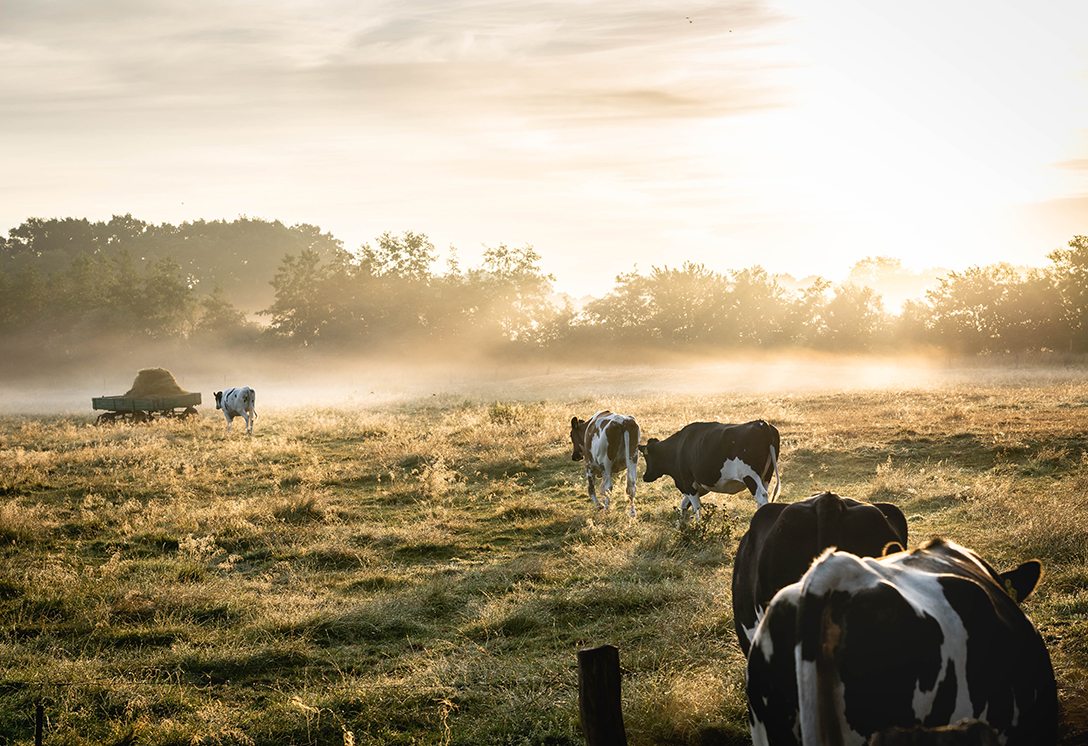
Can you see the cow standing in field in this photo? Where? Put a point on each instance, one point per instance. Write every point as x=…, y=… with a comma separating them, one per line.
x=784, y=538
x=609, y=444
x=714, y=457
x=930, y=637
x=238, y=403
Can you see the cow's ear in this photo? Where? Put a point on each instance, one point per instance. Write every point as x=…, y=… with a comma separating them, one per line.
x=1019, y=583
x=641, y=448
x=573, y=422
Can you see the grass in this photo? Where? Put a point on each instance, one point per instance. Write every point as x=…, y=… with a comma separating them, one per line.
x=425, y=572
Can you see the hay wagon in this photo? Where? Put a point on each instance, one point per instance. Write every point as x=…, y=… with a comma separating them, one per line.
x=144, y=409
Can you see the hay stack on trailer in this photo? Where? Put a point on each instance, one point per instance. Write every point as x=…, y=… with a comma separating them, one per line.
x=154, y=393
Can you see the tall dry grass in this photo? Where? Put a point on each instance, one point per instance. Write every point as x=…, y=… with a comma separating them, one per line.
x=426, y=571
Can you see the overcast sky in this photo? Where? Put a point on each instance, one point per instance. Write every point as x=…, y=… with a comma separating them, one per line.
x=799, y=135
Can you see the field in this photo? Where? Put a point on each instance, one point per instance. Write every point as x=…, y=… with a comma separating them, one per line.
x=424, y=569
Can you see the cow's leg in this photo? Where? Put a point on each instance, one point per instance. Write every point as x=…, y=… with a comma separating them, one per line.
x=606, y=486
x=230, y=420
x=684, y=501
x=590, y=486
x=631, y=479
x=249, y=423
x=758, y=490
x=696, y=505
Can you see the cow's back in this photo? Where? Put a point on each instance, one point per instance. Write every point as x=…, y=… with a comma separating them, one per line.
x=701, y=448
x=783, y=540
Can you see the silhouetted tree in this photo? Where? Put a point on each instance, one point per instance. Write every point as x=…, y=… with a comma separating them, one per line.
x=220, y=323
x=970, y=311
x=301, y=309
x=513, y=294
x=1070, y=277
x=624, y=314
x=853, y=319
x=758, y=309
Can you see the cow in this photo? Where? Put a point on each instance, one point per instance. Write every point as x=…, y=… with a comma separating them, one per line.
x=784, y=538
x=929, y=637
x=609, y=444
x=238, y=403
x=707, y=457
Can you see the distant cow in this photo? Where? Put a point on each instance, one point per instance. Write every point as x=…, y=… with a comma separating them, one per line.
x=609, y=444
x=929, y=637
x=238, y=403
x=784, y=538
x=714, y=457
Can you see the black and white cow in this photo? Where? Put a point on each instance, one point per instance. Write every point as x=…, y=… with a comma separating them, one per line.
x=784, y=538
x=238, y=403
x=714, y=457
x=609, y=444
x=929, y=637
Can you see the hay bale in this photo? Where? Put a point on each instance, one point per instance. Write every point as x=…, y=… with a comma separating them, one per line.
x=153, y=383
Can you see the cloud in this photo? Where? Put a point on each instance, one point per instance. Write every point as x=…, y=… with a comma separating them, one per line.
x=456, y=60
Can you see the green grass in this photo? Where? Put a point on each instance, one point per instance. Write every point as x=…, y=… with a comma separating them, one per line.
x=425, y=573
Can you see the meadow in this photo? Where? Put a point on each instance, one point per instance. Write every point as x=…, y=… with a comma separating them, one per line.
x=424, y=569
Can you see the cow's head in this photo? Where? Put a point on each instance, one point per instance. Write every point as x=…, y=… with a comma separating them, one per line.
x=218, y=399
x=578, y=438
x=653, y=467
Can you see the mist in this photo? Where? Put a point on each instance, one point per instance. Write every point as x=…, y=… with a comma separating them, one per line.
x=293, y=380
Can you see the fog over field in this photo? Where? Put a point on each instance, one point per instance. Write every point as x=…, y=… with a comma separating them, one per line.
x=295, y=381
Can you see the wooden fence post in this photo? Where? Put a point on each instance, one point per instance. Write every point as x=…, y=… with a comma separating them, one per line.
x=599, y=696
x=39, y=722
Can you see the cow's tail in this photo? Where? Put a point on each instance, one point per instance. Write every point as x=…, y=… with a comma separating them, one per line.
x=777, y=478
x=632, y=461
x=819, y=690
x=253, y=403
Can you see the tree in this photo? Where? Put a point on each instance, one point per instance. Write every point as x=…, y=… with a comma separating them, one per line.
x=408, y=257
x=22, y=301
x=625, y=313
x=1070, y=277
x=853, y=318
x=688, y=304
x=970, y=311
x=760, y=309
x=301, y=309
x=168, y=301
x=221, y=323
x=803, y=321
x=513, y=293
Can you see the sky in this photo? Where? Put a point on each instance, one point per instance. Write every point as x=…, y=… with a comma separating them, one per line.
x=616, y=135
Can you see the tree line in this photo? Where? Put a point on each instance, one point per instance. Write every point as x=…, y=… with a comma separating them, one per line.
x=248, y=282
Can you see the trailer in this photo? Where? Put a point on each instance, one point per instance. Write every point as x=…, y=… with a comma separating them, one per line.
x=144, y=409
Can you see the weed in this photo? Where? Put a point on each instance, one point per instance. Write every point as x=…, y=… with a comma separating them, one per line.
x=503, y=414
x=709, y=530
x=299, y=509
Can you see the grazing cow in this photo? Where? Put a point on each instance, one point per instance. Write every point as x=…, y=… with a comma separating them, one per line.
x=609, y=444
x=784, y=538
x=713, y=457
x=929, y=637
x=238, y=403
